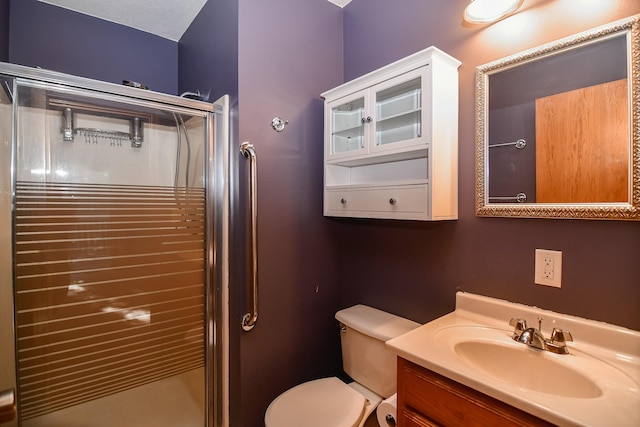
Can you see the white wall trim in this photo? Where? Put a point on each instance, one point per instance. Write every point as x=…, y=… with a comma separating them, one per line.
x=341, y=3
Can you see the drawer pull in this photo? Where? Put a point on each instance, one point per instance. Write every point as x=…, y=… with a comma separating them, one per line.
x=392, y=201
x=343, y=201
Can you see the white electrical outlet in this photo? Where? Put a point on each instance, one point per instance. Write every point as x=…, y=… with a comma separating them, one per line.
x=548, y=270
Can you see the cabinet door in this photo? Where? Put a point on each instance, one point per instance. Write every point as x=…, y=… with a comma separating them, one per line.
x=409, y=418
x=348, y=133
x=399, y=112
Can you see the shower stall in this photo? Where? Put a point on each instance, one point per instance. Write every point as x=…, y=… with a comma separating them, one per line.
x=113, y=254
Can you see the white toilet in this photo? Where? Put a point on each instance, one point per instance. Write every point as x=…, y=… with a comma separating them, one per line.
x=330, y=402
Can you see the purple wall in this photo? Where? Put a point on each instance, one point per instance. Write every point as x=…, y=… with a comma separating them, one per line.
x=70, y=42
x=285, y=55
x=208, y=52
x=414, y=269
x=4, y=30
x=290, y=51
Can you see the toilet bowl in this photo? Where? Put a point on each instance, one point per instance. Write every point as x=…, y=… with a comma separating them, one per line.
x=320, y=403
x=331, y=402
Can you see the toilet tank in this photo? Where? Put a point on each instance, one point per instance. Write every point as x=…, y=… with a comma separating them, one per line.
x=363, y=332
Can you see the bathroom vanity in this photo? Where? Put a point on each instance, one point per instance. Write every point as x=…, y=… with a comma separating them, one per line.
x=391, y=141
x=477, y=367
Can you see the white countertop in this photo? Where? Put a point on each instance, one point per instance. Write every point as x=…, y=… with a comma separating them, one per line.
x=608, y=355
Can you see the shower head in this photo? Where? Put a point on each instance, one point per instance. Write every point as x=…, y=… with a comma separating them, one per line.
x=134, y=84
x=195, y=95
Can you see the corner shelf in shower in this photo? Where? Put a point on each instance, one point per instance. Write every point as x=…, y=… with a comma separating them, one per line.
x=69, y=108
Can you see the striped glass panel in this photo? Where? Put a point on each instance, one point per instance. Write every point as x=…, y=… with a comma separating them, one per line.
x=109, y=289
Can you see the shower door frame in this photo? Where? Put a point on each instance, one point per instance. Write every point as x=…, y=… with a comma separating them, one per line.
x=216, y=172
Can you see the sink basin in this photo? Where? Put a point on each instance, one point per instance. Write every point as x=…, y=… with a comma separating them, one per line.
x=526, y=368
x=492, y=352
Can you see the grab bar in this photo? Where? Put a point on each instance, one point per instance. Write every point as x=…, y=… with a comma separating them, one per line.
x=249, y=319
x=7, y=405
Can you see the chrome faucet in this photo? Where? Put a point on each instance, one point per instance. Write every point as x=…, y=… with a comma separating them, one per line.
x=532, y=337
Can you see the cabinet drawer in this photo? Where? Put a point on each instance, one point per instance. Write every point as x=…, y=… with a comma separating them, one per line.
x=404, y=199
x=445, y=402
x=409, y=418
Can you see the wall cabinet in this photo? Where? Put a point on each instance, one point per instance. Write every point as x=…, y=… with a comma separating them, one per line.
x=391, y=141
x=429, y=399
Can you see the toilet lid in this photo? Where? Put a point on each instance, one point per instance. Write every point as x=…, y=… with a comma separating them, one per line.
x=319, y=403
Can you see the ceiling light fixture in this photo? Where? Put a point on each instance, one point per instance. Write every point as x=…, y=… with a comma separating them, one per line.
x=487, y=11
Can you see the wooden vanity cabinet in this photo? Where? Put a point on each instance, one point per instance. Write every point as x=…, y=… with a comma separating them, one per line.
x=427, y=399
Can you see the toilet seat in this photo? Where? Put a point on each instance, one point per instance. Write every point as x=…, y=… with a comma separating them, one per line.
x=319, y=403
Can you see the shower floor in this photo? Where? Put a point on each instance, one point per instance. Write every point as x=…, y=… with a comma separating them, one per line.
x=177, y=401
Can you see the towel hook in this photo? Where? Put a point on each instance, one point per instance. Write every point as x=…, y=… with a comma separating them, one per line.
x=278, y=124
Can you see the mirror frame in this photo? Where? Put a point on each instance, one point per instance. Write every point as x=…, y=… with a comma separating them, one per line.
x=612, y=211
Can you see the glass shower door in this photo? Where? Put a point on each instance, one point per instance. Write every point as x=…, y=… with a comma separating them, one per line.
x=110, y=265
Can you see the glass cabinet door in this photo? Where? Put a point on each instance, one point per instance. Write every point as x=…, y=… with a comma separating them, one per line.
x=347, y=126
x=398, y=111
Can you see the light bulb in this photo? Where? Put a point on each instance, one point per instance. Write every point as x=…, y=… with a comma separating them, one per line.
x=486, y=11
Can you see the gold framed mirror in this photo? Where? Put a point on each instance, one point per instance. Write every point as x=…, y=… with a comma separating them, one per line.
x=558, y=128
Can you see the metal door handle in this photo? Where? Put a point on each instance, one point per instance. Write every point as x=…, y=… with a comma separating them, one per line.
x=249, y=319
x=7, y=405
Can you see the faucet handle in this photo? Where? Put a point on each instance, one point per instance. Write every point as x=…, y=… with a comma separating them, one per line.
x=519, y=327
x=558, y=341
x=519, y=324
x=560, y=336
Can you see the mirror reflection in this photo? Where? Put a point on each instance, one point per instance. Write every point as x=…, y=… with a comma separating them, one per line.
x=555, y=134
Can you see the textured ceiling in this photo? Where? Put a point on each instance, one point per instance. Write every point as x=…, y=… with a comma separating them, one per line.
x=165, y=18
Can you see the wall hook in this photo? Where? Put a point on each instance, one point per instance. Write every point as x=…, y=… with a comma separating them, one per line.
x=278, y=124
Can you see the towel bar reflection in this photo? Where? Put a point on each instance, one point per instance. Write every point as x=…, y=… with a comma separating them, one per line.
x=520, y=198
x=520, y=144
x=249, y=319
